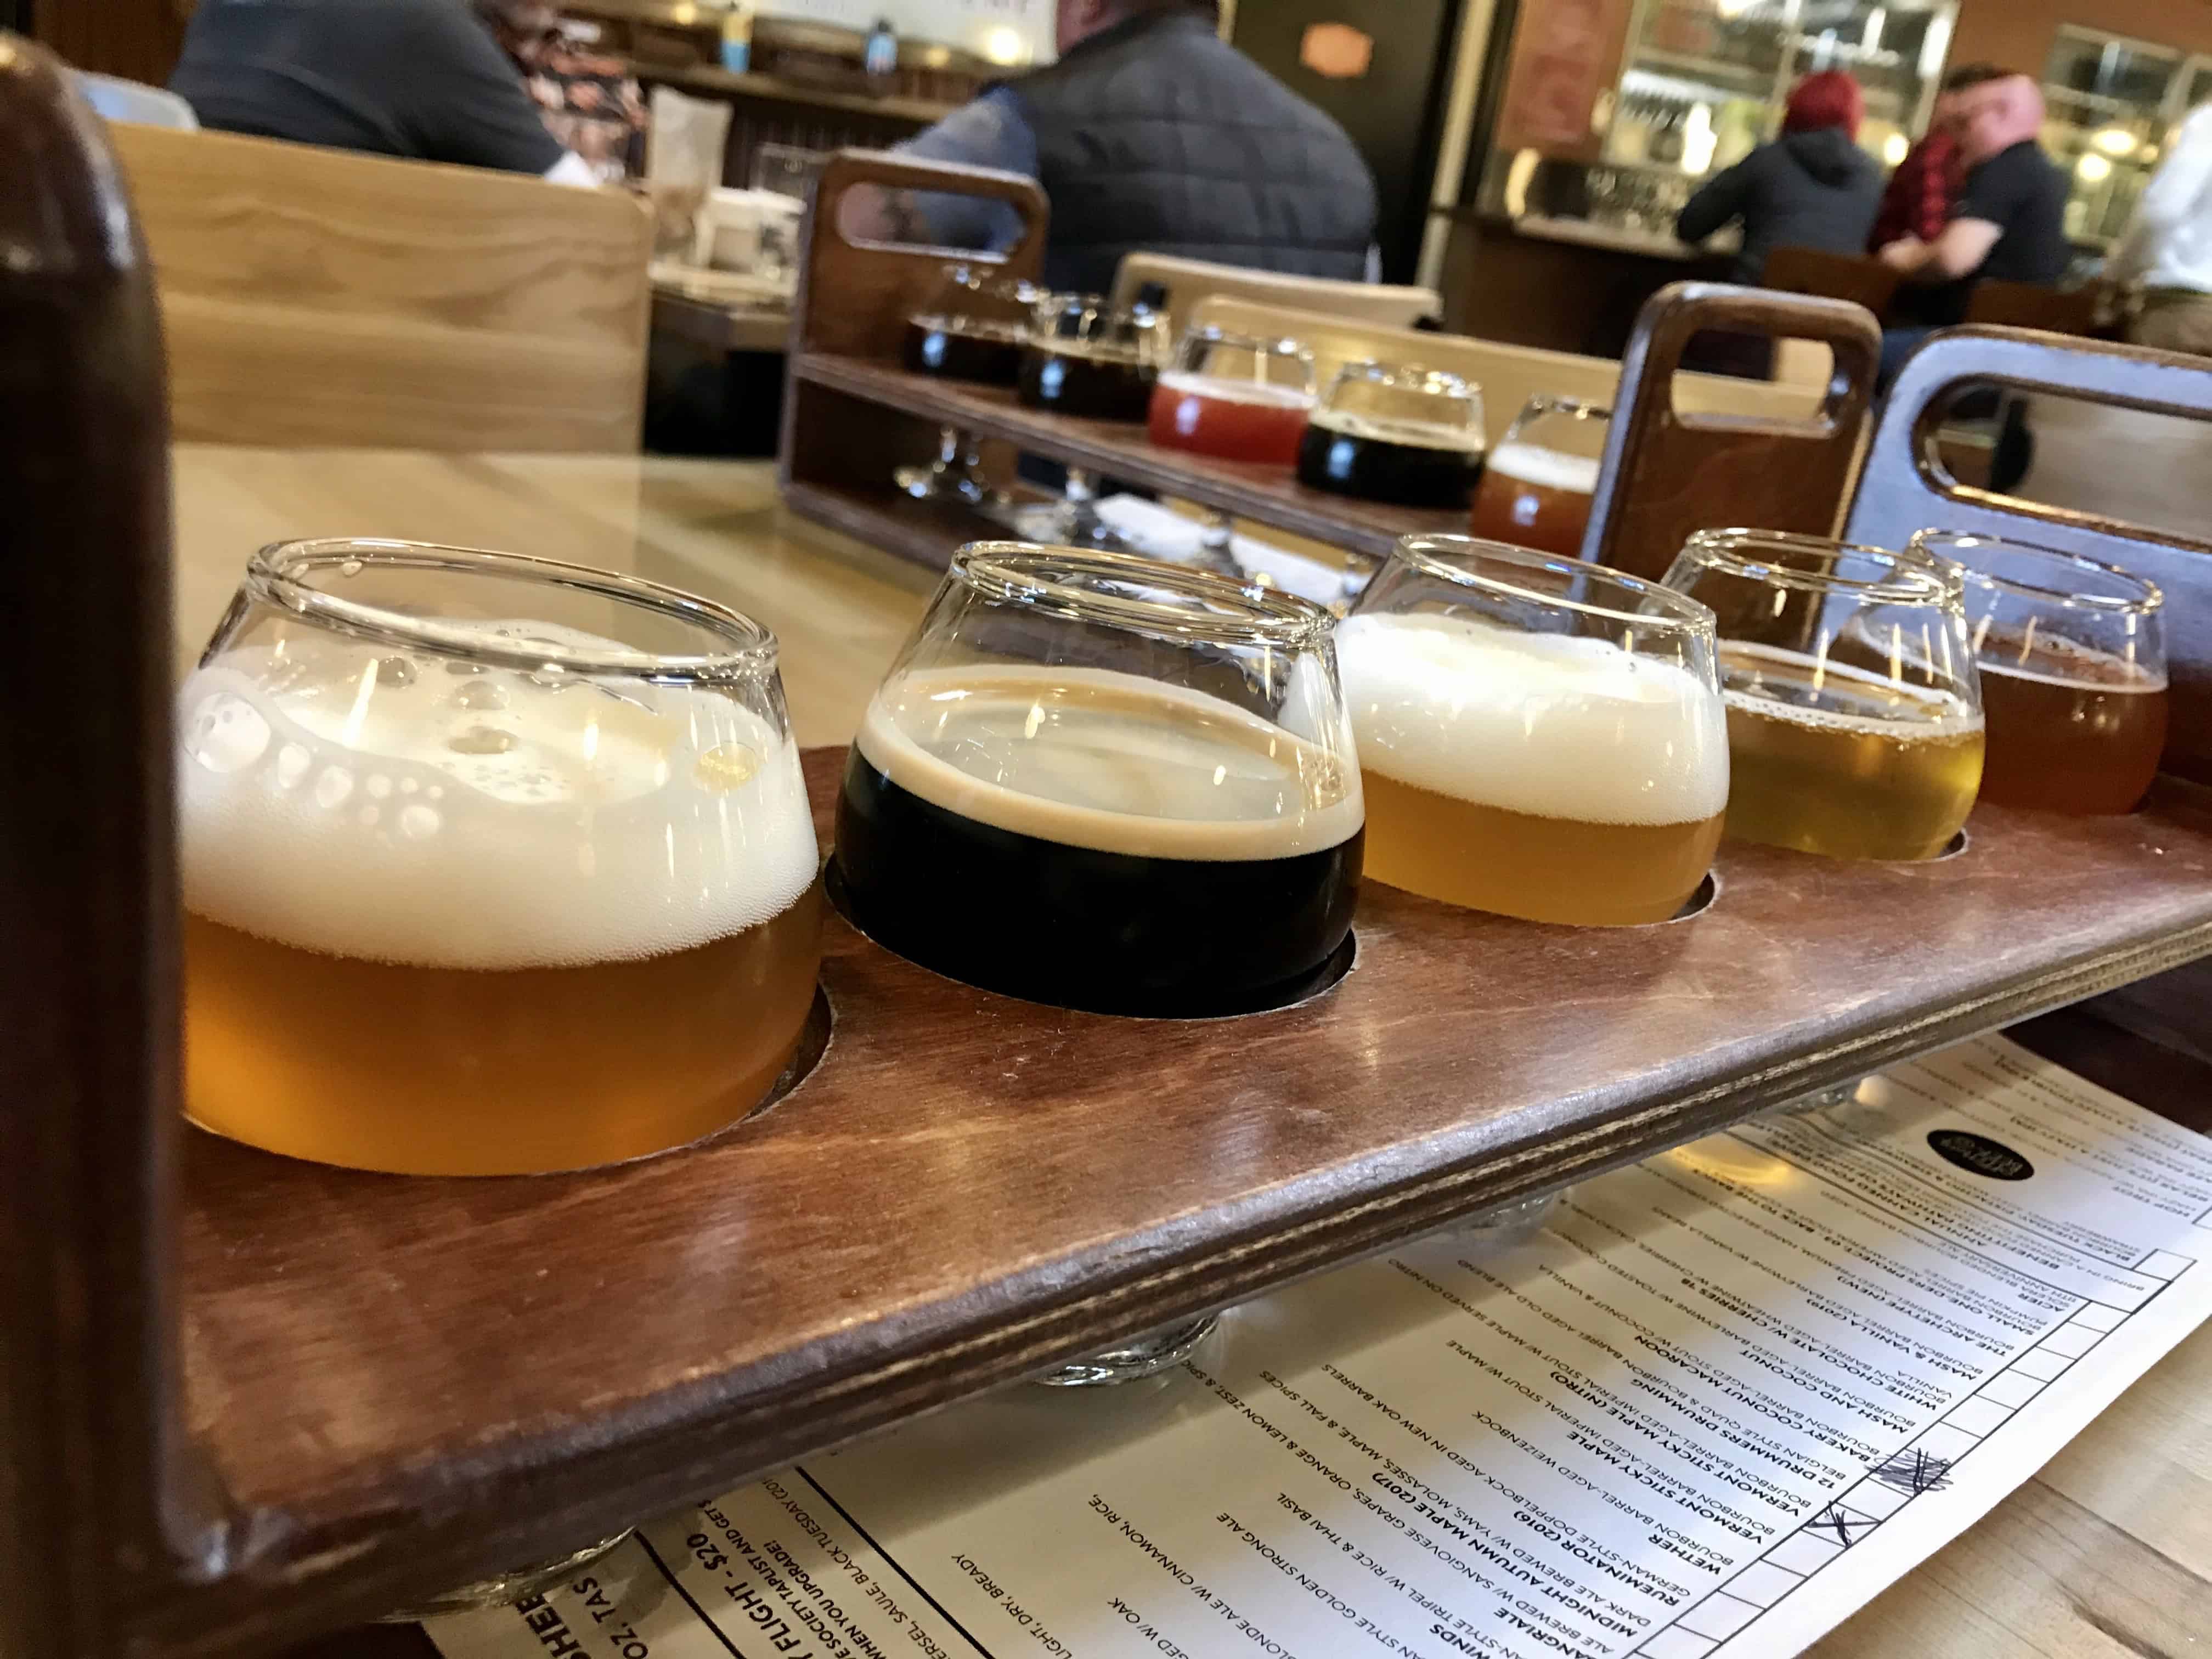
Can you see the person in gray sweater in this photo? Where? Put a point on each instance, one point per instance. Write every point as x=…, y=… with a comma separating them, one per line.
x=1812, y=188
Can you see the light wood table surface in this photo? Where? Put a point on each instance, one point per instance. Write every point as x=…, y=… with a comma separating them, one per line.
x=2106, y=1553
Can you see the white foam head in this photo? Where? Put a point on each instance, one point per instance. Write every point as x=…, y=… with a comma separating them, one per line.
x=1117, y=764
x=1547, y=469
x=1222, y=389
x=1412, y=434
x=1548, y=724
x=1829, y=695
x=2053, y=660
x=363, y=801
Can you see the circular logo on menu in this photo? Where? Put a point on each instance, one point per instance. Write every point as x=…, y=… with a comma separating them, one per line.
x=1979, y=1155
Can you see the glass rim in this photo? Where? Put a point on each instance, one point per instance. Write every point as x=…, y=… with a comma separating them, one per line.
x=1213, y=334
x=1677, y=609
x=1917, y=579
x=1553, y=403
x=2149, y=599
x=1411, y=377
x=280, y=574
x=1263, y=616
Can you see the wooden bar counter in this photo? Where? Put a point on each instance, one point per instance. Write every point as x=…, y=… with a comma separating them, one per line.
x=2107, y=1552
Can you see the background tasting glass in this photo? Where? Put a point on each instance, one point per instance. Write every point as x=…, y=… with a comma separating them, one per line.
x=1410, y=436
x=491, y=864
x=1235, y=398
x=1538, y=736
x=2072, y=655
x=1855, y=714
x=973, y=327
x=1089, y=358
x=1101, y=782
x=1536, y=489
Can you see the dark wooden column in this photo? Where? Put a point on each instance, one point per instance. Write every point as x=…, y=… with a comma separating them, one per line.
x=137, y=39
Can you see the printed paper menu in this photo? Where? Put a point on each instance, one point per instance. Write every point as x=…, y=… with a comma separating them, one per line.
x=1719, y=1401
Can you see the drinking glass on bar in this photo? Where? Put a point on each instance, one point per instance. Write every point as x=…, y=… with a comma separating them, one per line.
x=492, y=866
x=973, y=327
x=2072, y=655
x=1410, y=436
x=1235, y=398
x=1538, y=737
x=1854, y=709
x=1537, y=486
x=1089, y=358
x=1100, y=782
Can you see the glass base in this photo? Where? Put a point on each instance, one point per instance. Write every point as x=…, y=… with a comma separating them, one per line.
x=1838, y=1094
x=1504, y=1227
x=1134, y=1360
x=938, y=483
x=505, y=1589
x=1069, y=524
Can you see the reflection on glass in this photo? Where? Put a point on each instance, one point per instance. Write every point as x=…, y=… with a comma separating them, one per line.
x=1855, y=718
x=1537, y=737
x=1098, y=782
x=491, y=864
x=2072, y=656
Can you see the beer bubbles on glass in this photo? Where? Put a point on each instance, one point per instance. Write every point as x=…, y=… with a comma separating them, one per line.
x=1854, y=710
x=1409, y=436
x=1235, y=398
x=1537, y=487
x=1538, y=737
x=491, y=864
x=1103, y=783
x=2072, y=657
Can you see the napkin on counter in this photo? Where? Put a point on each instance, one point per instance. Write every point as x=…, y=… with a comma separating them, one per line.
x=1164, y=533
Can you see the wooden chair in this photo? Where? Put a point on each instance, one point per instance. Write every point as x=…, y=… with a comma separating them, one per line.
x=1670, y=470
x=1858, y=278
x=1904, y=488
x=2031, y=305
x=1189, y=281
x=314, y=296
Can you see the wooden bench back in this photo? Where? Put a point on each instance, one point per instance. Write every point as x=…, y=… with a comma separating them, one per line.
x=314, y=296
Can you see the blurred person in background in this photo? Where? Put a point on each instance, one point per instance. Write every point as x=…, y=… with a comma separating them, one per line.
x=1812, y=188
x=419, y=79
x=2167, y=247
x=1927, y=183
x=2010, y=224
x=588, y=100
x=1150, y=132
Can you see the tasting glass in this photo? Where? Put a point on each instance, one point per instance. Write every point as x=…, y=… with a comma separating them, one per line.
x=1234, y=397
x=972, y=327
x=1089, y=358
x=1855, y=711
x=492, y=866
x=1403, y=434
x=1539, y=481
x=2072, y=657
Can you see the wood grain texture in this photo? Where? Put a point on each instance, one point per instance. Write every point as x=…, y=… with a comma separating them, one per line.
x=1667, y=474
x=1902, y=489
x=312, y=296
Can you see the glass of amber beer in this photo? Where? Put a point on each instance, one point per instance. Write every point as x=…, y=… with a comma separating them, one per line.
x=1097, y=781
x=1538, y=736
x=2072, y=655
x=1537, y=487
x=1854, y=710
x=492, y=866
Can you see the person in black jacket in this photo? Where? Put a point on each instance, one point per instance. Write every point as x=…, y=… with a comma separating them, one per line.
x=1812, y=187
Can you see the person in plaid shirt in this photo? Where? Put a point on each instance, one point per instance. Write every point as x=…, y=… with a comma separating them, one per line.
x=1926, y=186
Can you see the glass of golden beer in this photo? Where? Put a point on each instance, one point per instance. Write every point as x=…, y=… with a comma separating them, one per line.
x=1854, y=711
x=1538, y=736
x=1536, y=491
x=492, y=866
x=2072, y=656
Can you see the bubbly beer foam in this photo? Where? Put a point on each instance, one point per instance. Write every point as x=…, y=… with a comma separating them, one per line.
x=2051, y=660
x=1412, y=435
x=1110, y=761
x=1220, y=389
x=1548, y=724
x=1547, y=469
x=1854, y=699
x=368, y=802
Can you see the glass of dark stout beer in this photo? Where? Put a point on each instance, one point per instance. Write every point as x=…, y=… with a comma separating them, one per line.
x=1234, y=399
x=1536, y=490
x=1089, y=358
x=1410, y=436
x=1108, y=783
x=973, y=327
x=2072, y=655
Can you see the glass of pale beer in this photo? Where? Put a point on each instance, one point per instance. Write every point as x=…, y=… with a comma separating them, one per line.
x=1854, y=709
x=1537, y=489
x=1108, y=783
x=2072, y=657
x=491, y=864
x=1538, y=736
